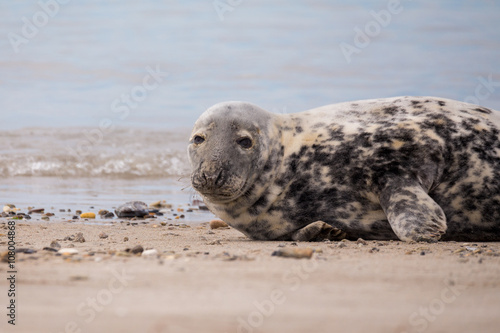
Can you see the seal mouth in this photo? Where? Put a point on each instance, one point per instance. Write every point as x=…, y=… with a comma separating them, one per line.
x=219, y=197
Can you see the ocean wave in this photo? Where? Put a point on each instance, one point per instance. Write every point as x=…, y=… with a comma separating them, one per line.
x=124, y=153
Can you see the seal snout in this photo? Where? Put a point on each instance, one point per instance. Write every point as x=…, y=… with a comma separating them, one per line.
x=212, y=180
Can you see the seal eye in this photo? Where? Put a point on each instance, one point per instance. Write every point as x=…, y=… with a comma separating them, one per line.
x=244, y=142
x=198, y=140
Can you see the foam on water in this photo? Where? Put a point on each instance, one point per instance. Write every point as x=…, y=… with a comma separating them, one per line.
x=77, y=152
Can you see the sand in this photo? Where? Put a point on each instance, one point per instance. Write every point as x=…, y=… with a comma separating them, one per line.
x=220, y=281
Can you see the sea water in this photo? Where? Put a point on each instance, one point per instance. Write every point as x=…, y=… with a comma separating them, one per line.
x=97, y=98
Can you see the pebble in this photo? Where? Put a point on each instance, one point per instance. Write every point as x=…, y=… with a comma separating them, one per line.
x=79, y=238
x=103, y=212
x=361, y=241
x=160, y=204
x=216, y=224
x=109, y=215
x=125, y=239
x=67, y=251
x=25, y=250
x=149, y=253
x=136, y=249
x=45, y=218
x=10, y=208
x=54, y=244
x=37, y=210
x=51, y=249
x=132, y=209
x=297, y=253
x=88, y=215
x=4, y=256
x=78, y=212
x=103, y=235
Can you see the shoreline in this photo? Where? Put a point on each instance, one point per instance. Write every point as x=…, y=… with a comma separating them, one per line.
x=220, y=281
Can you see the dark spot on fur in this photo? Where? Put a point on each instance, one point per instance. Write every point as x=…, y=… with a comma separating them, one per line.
x=391, y=110
x=483, y=110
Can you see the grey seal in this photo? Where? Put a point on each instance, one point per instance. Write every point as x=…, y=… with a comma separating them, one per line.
x=408, y=168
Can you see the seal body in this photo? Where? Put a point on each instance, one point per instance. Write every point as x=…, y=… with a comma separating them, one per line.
x=409, y=168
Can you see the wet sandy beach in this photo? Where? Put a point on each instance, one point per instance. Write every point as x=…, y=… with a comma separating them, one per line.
x=204, y=280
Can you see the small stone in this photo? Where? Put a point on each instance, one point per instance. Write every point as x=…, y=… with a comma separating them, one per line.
x=160, y=204
x=422, y=253
x=67, y=251
x=88, y=215
x=361, y=241
x=25, y=250
x=103, y=212
x=78, y=278
x=125, y=239
x=37, y=210
x=54, y=244
x=9, y=208
x=103, y=235
x=297, y=253
x=62, y=210
x=373, y=250
x=79, y=238
x=216, y=224
x=45, y=218
x=50, y=249
x=132, y=209
x=108, y=215
x=136, y=249
x=4, y=256
x=49, y=214
x=78, y=212
x=163, y=224
x=149, y=253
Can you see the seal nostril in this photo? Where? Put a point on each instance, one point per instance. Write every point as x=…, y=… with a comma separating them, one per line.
x=219, y=179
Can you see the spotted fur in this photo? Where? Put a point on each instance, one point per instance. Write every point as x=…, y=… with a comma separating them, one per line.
x=409, y=168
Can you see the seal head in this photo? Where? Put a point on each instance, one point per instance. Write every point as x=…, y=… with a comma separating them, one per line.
x=228, y=149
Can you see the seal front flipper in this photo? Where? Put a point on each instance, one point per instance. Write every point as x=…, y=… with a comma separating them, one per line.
x=317, y=231
x=412, y=213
